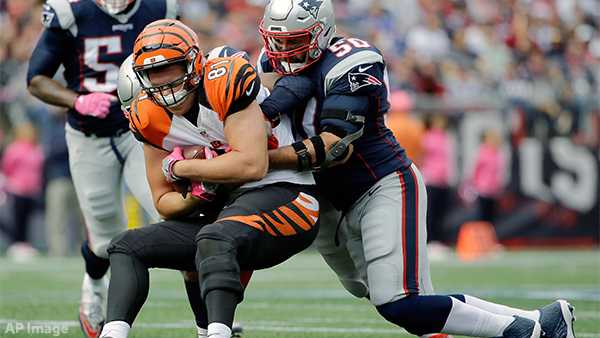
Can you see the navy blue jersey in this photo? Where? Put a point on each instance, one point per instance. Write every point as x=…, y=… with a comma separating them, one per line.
x=351, y=76
x=91, y=45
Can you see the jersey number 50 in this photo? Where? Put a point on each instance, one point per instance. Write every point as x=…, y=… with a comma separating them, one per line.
x=344, y=46
x=92, y=46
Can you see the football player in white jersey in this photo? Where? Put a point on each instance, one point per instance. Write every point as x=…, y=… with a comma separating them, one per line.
x=253, y=218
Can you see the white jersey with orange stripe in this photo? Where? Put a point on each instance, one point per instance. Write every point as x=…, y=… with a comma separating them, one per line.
x=156, y=126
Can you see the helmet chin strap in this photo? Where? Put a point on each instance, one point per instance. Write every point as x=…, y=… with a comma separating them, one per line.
x=177, y=98
x=293, y=66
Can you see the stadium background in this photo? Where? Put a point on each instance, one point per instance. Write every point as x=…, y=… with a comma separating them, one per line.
x=530, y=70
x=526, y=71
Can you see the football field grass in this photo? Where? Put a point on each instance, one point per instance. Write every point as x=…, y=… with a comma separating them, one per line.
x=300, y=298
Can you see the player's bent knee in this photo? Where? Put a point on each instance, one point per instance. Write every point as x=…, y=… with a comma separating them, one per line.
x=216, y=262
x=101, y=204
x=357, y=288
x=384, y=281
x=121, y=244
x=342, y=264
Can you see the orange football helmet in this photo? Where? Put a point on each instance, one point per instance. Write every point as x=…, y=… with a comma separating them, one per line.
x=162, y=43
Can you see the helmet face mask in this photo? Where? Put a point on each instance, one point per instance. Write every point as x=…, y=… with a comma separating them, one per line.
x=170, y=93
x=168, y=62
x=113, y=7
x=292, y=52
x=296, y=32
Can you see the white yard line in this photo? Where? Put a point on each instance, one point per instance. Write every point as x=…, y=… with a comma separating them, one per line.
x=307, y=261
x=265, y=326
x=336, y=307
x=256, y=298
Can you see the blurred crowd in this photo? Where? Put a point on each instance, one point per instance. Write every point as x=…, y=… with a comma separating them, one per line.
x=538, y=57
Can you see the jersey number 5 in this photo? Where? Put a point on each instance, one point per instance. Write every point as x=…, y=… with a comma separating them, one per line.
x=344, y=46
x=92, y=46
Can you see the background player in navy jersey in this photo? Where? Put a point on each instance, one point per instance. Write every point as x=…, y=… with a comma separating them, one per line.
x=91, y=39
x=378, y=249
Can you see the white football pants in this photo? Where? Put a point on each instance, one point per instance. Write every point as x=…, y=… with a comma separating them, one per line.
x=99, y=167
x=381, y=251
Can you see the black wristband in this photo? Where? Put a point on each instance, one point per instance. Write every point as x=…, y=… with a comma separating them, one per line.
x=303, y=156
x=319, y=146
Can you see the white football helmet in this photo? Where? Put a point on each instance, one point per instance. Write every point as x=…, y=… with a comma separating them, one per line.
x=296, y=32
x=113, y=7
x=128, y=86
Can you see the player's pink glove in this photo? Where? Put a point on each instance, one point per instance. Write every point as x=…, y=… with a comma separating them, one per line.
x=94, y=104
x=205, y=191
x=168, y=163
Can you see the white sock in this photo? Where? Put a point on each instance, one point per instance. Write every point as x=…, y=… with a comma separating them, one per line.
x=468, y=320
x=218, y=330
x=501, y=309
x=87, y=280
x=115, y=329
x=202, y=333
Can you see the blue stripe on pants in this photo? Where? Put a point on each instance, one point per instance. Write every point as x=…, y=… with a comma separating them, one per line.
x=410, y=230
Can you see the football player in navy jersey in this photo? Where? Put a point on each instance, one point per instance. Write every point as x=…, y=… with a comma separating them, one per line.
x=378, y=247
x=91, y=39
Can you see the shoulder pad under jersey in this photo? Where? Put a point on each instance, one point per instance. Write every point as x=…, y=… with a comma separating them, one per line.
x=59, y=14
x=344, y=55
x=230, y=84
x=149, y=122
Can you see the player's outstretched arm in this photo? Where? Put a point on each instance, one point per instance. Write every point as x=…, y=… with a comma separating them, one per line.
x=169, y=203
x=246, y=133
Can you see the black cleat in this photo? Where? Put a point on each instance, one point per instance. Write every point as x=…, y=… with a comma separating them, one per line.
x=557, y=320
x=236, y=330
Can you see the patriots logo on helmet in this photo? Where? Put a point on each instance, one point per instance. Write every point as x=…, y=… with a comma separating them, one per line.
x=311, y=6
x=359, y=80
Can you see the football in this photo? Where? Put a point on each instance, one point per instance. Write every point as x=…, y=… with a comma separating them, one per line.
x=189, y=153
x=194, y=152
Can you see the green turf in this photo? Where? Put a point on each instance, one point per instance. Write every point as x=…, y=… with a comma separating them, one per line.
x=302, y=298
